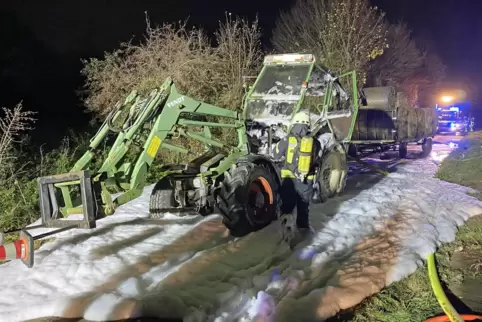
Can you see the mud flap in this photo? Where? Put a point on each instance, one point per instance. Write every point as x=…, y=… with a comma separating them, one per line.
x=49, y=205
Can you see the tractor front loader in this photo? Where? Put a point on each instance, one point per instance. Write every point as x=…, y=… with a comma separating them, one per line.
x=237, y=176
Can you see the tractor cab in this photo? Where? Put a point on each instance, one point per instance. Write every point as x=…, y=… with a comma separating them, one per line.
x=289, y=83
x=278, y=89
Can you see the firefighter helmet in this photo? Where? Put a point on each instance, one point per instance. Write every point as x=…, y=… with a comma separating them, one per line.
x=301, y=118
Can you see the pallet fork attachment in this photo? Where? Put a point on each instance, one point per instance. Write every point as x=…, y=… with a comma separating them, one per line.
x=49, y=206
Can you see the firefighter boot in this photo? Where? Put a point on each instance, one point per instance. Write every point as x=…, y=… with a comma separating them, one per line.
x=288, y=228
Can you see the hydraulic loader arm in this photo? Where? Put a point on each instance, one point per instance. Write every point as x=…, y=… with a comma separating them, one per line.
x=175, y=120
x=164, y=114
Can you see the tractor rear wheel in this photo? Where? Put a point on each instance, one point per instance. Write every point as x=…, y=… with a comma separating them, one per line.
x=248, y=199
x=331, y=177
x=162, y=199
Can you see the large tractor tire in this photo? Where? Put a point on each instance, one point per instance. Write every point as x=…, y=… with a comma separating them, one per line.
x=332, y=174
x=249, y=196
x=426, y=147
x=162, y=199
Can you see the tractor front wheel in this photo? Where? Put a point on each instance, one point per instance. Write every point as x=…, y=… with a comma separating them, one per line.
x=162, y=199
x=248, y=199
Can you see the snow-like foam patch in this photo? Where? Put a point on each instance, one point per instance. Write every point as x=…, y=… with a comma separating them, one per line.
x=379, y=231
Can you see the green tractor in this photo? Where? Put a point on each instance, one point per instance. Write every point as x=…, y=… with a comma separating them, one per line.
x=238, y=177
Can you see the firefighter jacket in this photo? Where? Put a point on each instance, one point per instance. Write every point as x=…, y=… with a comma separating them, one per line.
x=300, y=151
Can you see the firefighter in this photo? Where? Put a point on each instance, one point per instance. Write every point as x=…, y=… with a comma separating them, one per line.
x=299, y=150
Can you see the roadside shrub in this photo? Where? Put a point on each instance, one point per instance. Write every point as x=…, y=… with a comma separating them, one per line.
x=212, y=74
x=14, y=124
x=20, y=165
x=208, y=73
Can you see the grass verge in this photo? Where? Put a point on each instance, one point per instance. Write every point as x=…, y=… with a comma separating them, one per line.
x=459, y=263
x=464, y=165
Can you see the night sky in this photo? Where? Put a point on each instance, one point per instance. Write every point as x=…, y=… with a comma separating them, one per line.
x=42, y=43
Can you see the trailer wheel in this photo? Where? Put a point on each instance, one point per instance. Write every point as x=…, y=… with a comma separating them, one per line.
x=162, y=199
x=248, y=199
x=426, y=147
x=402, y=150
x=331, y=176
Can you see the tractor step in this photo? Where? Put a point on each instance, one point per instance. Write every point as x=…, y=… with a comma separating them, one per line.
x=49, y=204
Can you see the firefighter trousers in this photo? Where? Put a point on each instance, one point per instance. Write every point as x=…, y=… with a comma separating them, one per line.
x=296, y=194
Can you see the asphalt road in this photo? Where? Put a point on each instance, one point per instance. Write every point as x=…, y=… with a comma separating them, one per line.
x=446, y=139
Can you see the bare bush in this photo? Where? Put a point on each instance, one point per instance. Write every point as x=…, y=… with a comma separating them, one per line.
x=210, y=74
x=401, y=61
x=13, y=125
x=406, y=65
x=183, y=54
x=420, y=87
x=239, y=54
x=343, y=34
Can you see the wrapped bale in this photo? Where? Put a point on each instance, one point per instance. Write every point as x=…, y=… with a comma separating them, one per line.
x=383, y=98
x=373, y=125
x=419, y=113
x=402, y=100
x=374, y=121
x=410, y=124
x=416, y=123
x=406, y=123
x=402, y=122
x=431, y=121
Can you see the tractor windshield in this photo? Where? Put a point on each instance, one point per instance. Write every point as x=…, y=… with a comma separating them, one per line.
x=281, y=80
x=276, y=92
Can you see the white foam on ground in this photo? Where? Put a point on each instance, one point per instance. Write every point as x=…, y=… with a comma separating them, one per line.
x=377, y=232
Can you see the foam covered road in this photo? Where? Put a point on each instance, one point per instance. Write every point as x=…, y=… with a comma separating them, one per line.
x=379, y=231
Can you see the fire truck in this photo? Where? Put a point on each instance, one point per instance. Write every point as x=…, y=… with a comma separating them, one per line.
x=450, y=121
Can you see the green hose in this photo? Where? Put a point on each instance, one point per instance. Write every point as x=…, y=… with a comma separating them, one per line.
x=439, y=293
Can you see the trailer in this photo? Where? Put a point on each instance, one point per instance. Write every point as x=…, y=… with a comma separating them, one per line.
x=386, y=121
